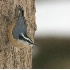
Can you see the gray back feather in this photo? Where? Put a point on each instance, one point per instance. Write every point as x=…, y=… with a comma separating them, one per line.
x=20, y=28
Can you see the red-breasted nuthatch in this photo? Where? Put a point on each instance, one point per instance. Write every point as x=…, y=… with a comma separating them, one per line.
x=18, y=31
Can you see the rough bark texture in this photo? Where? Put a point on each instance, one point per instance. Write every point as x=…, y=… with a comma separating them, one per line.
x=10, y=56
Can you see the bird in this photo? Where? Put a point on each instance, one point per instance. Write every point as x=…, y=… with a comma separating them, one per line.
x=18, y=31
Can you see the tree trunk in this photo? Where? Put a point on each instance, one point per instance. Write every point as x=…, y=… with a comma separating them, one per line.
x=10, y=56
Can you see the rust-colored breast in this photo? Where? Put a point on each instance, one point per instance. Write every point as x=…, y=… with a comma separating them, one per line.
x=15, y=42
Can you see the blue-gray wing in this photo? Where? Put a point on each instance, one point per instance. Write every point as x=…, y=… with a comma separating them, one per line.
x=19, y=28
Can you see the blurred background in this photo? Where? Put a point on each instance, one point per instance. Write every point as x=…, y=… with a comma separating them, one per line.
x=53, y=34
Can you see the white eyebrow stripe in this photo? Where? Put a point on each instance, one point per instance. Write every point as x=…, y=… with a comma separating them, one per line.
x=26, y=37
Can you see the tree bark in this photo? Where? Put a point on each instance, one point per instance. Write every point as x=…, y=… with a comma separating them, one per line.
x=13, y=57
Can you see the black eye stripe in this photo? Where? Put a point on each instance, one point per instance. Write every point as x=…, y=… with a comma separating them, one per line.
x=22, y=38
